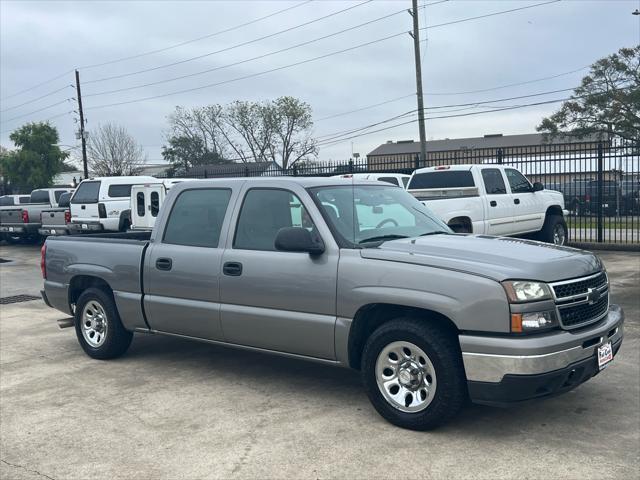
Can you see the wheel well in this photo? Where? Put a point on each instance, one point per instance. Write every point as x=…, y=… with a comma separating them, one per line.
x=463, y=222
x=553, y=210
x=80, y=283
x=369, y=317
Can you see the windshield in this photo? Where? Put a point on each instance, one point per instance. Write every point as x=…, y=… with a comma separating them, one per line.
x=366, y=215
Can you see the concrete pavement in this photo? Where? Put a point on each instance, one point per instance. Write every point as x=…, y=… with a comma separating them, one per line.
x=177, y=409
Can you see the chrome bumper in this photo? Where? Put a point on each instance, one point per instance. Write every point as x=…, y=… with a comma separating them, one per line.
x=536, y=355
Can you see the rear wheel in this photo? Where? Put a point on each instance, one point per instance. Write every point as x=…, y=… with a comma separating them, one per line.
x=554, y=230
x=413, y=373
x=98, y=326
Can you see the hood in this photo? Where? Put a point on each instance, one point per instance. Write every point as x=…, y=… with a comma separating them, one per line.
x=499, y=258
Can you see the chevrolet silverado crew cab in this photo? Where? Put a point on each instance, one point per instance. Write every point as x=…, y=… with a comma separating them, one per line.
x=103, y=204
x=358, y=275
x=491, y=199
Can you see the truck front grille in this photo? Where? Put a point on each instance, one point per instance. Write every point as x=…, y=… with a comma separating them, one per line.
x=582, y=301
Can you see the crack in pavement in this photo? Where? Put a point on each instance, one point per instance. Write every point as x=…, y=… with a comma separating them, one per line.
x=26, y=469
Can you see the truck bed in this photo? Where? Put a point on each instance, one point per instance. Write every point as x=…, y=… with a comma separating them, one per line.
x=131, y=237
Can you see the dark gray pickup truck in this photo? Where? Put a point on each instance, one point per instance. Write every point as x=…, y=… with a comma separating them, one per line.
x=355, y=274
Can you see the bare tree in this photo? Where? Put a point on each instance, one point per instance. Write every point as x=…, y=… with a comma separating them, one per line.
x=112, y=151
x=254, y=123
x=293, y=124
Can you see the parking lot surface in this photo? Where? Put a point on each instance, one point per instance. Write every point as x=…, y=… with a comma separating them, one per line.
x=176, y=409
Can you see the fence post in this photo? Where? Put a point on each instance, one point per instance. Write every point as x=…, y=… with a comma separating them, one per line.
x=416, y=161
x=599, y=193
x=205, y=173
x=246, y=171
x=295, y=170
x=351, y=165
x=499, y=156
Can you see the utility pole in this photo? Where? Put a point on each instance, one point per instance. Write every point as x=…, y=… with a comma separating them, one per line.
x=416, y=51
x=83, y=137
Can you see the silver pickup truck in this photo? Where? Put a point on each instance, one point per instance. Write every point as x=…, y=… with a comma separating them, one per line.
x=356, y=274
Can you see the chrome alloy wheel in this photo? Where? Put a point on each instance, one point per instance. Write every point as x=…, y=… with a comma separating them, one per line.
x=94, y=324
x=559, y=236
x=405, y=376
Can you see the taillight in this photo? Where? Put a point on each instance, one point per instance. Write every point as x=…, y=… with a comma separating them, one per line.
x=67, y=216
x=587, y=197
x=43, y=261
x=102, y=211
x=25, y=216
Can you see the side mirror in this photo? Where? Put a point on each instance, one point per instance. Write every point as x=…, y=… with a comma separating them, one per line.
x=298, y=239
x=537, y=186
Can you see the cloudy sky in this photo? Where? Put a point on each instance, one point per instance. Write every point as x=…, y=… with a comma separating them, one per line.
x=124, y=45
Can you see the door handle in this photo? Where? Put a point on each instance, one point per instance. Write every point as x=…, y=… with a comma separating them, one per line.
x=164, y=264
x=493, y=203
x=233, y=269
x=516, y=201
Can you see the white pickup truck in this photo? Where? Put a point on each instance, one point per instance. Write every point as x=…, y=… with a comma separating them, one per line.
x=491, y=200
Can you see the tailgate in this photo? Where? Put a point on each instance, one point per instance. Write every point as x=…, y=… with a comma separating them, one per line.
x=11, y=215
x=53, y=217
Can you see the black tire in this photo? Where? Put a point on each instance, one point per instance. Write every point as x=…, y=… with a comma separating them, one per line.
x=551, y=223
x=117, y=338
x=443, y=350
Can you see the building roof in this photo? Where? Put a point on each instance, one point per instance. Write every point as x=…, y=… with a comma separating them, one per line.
x=234, y=169
x=488, y=141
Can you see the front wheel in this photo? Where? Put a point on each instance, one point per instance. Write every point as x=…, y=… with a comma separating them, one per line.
x=554, y=230
x=98, y=326
x=413, y=373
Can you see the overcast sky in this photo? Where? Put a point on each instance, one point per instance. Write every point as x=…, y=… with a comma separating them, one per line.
x=44, y=39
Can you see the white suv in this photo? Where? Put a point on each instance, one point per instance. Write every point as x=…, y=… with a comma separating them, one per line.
x=102, y=204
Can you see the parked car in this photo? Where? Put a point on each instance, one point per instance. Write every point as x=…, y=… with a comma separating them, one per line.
x=8, y=202
x=103, y=204
x=55, y=221
x=358, y=275
x=610, y=197
x=575, y=196
x=490, y=199
x=146, y=200
x=22, y=222
x=398, y=179
x=630, y=197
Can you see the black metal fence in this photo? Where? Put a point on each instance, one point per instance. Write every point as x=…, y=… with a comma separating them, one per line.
x=600, y=181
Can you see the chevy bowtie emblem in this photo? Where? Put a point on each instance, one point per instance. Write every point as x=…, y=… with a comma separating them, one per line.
x=593, y=295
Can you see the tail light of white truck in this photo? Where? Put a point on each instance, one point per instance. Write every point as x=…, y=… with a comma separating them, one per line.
x=43, y=261
x=25, y=216
x=102, y=210
x=67, y=216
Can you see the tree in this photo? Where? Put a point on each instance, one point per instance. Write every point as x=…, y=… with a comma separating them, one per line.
x=113, y=152
x=254, y=123
x=36, y=159
x=293, y=124
x=607, y=103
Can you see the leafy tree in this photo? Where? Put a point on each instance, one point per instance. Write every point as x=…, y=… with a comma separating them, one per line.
x=293, y=124
x=112, y=151
x=254, y=123
x=36, y=159
x=607, y=103
x=185, y=152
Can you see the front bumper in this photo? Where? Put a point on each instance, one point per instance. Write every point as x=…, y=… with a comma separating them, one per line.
x=85, y=227
x=508, y=369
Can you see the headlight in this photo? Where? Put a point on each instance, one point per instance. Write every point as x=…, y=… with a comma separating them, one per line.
x=519, y=291
x=533, y=321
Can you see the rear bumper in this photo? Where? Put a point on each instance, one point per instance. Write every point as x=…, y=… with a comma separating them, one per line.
x=506, y=369
x=20, y=228
x=54, y=230
x=84, y=227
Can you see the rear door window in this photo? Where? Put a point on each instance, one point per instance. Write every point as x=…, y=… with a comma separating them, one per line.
x=40, y=196
x=442, y=179
x=118, y=191
x=87, y=192
x=493, y=181
x=196, y=217
x=155, y=204
x=6, y=201
x=24, y=200
x=140, y=206
x=392, y=180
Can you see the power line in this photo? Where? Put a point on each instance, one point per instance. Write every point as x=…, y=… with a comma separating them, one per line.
x=36, y=111
x=428, y=27
x=283, y=67
x=360, y=25
x=36, y=99
x=187, y=42
x=364, y=108
x=155, y=51
x=248, y=42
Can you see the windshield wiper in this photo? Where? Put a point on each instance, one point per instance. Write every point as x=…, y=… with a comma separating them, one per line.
x=383, y=237
x=437, y=232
